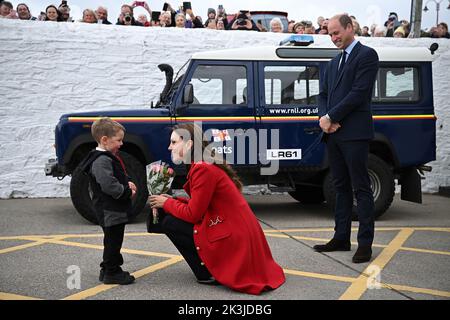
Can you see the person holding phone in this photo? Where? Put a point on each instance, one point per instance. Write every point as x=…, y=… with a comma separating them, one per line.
x=196, y=21
x=243, y=21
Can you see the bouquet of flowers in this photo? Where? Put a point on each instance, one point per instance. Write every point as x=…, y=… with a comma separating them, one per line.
x=159, y=180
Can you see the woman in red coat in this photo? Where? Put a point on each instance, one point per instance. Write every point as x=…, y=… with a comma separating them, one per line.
x=215, y=230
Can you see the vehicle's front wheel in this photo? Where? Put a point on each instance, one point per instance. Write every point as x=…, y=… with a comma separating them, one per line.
x=81, y=194
x=382, y=183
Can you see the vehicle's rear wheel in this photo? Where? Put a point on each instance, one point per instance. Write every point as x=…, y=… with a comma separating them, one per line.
x=308, y=194
x=382, y=183
x=81, y=194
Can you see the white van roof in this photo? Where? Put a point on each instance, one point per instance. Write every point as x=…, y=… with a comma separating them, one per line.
x=401, y=54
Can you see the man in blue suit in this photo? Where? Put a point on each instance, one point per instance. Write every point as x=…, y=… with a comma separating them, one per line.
x=346, y=121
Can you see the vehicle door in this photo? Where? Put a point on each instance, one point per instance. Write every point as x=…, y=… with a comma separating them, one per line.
x=288, y=102
x=223, y=106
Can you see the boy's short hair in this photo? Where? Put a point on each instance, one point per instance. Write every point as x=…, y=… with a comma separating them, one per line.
x=105, y=127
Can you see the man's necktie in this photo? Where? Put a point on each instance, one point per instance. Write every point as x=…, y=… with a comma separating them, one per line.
x=341, y=65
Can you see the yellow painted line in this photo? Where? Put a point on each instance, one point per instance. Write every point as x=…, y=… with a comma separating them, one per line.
x=281, y=118
x=123, y=250
x=22, y=246
x=81, y=235
x=352, y=280
x=100, y=235
x=425, y=251
x=36, y=241
x=357, y=289
x=432, y=229
x=411, y=116
x=319, y=275
x=101, y=288
x=332, y=229
x=119, y=118
x=11, y=296
x=439, y=293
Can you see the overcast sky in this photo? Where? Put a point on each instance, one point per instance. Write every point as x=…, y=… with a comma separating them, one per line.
x=367, y=12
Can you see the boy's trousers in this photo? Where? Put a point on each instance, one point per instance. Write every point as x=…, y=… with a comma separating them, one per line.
x=112, y=243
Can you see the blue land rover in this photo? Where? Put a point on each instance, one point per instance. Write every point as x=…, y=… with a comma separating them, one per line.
x=259, y=108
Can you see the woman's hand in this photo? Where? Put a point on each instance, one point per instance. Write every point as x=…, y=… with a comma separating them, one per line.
x=158, y=200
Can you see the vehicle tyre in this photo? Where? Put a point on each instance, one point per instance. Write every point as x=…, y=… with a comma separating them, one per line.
x=81, y=194
x=381, y=181
x=307, y=194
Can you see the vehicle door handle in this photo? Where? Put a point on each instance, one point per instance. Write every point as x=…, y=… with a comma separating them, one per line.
x=312, y=130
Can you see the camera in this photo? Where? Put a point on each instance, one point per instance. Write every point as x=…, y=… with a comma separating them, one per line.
x=241, y=19
x=64, y=2
x=127, y=17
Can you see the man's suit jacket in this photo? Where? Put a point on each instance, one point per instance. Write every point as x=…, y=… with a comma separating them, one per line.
x=346, y=96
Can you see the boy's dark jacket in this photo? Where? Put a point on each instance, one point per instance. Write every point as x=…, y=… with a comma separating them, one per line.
x=109, y=183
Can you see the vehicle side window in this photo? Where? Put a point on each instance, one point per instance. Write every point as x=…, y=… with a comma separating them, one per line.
x=396, y=84
x=215, y=84
x=291, y=85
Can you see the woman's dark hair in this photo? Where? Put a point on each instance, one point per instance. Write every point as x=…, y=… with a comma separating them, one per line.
x=58, y=18
x=207, y=155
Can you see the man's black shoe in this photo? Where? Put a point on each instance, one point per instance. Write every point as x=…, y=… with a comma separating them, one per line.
x=210, y=281
x=333, y=245
x=362, y=254
x=118, y=278
x=102, y=274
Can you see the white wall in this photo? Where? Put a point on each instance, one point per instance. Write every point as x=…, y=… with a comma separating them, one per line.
x=48, y=69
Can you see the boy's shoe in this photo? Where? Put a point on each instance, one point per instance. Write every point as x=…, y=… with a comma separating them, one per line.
x=102, y=274
x=122, y=278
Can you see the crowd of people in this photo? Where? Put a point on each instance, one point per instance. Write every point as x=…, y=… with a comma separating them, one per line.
x=184, y=17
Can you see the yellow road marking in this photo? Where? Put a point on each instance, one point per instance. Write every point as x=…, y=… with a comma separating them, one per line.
x=431, y=229
x=425, y=251
x=418, y=290
x=357, y=288
x=101, y=288
x=22, y=246
x=81, y=235
x=123, y=250
x=35, y=242
x=358, y=284
x=356, y=229
x=319, y=275
x=355, y=243
x=11, y=296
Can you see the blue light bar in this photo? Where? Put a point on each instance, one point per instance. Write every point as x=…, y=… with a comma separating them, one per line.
x=297, y=40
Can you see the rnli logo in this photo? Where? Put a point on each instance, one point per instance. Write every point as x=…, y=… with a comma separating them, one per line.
x=220, y=135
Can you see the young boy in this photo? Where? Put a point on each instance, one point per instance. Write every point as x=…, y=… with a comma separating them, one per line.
x=112, y=193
